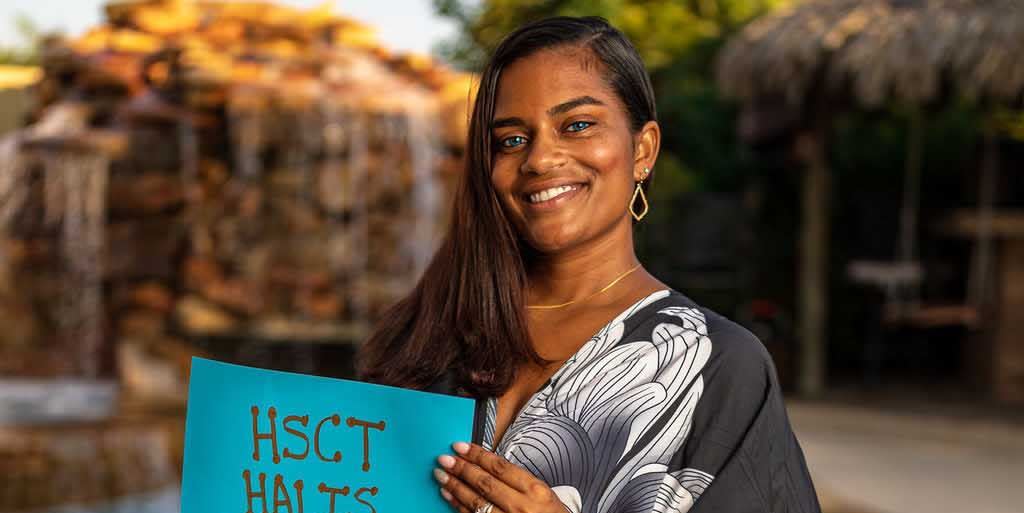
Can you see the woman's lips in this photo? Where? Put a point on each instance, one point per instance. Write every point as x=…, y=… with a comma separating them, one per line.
x=556, y=200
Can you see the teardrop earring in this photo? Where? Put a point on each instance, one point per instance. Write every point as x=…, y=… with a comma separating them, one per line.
x=639, y=191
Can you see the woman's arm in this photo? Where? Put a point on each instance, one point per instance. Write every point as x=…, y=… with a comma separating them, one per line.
x=741, y=436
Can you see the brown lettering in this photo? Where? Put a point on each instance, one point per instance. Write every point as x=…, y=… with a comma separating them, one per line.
x=352, y=422
x=250, y=495
x=336, y=420
x=304, y=420
x=279, y=490
x=323, y=488
x=373, y=493
x=271, y=435
x=298, y=493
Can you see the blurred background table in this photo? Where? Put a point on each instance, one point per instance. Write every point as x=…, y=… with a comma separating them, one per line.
x=131, y=462
x=999, y=356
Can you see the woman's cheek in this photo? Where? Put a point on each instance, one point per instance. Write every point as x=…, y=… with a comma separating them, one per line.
x=604, y=153
x=501, y=178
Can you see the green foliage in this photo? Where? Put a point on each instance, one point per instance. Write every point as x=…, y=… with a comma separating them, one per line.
x=664, y=31
x=1009, y=122
x=27, y=52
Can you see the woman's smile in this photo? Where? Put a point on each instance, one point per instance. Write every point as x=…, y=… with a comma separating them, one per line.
x=551, y=197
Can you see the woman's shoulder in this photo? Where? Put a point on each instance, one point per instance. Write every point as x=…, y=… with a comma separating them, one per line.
x=735, y=367
x=729, y=340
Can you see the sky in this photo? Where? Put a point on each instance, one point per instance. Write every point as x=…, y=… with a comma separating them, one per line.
x=408, y=25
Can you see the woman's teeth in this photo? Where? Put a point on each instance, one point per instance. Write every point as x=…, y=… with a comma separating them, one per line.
x=547, y=194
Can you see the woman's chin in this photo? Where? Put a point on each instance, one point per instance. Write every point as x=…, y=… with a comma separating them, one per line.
x=550, y=243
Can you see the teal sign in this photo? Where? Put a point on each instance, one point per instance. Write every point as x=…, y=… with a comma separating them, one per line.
x=261, y=441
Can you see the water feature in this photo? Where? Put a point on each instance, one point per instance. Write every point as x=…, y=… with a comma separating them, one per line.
x=272, y=202
x=60, y=366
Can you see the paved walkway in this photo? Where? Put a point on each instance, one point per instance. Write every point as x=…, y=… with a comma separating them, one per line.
x=866, y=460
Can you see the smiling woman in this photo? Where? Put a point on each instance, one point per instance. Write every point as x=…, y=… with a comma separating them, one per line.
x=568, y=155
x=599, y=388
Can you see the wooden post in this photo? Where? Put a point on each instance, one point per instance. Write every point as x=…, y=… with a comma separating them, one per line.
x=1007, y=350
x=981, y=266
x=911, y=190
x=813, y=271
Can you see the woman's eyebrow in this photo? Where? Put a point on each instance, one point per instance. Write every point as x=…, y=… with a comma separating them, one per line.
x=561, y=108
x=503, y=122
x=572, y=104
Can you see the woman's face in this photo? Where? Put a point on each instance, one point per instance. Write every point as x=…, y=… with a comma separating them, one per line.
x=565, y=161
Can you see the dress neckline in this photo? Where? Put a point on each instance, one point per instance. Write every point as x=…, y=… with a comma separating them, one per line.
x=626, y=313
x=492, y=402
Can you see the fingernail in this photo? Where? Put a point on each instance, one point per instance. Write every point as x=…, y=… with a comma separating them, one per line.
x=447, y=496
x=441, y=476
x=461, y=447
x=446, y=461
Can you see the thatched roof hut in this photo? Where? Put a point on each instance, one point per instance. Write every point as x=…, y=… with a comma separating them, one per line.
x=877, y=51
x=805, y=62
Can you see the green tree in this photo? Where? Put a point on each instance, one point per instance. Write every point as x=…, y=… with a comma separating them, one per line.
x=664, y=31
x=27, y=51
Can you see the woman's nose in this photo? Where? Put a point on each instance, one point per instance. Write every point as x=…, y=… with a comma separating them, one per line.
x=545, y=155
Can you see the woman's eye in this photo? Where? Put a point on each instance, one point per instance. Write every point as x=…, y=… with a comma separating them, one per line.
x=576, y=126
x=512, y=142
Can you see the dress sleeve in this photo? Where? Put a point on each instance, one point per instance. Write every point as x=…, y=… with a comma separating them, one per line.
x=742, y=455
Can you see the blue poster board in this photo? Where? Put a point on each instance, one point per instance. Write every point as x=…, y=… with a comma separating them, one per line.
x=261, y=441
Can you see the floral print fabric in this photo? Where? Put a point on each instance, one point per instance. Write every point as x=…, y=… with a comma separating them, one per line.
x=624, y=426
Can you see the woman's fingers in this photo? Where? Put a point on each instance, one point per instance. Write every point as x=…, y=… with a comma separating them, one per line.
x=463, y=496
x=512, y=475
x=450, y=499
x=477, y=477
x=480, y=482
x=453, y=502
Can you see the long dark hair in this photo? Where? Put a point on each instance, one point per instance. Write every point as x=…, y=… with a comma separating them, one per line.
x=466, y=315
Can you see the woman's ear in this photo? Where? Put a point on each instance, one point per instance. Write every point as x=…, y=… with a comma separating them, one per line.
x=646, y=143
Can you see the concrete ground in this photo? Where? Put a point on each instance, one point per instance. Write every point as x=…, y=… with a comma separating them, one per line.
x=873, y=460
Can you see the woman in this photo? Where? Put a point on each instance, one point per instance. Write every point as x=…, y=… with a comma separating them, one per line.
x=602, y=389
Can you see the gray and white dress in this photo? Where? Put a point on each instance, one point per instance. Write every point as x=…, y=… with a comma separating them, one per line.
x=668, y=408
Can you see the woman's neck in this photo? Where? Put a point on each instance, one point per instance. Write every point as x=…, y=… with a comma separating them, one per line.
x=580, y=272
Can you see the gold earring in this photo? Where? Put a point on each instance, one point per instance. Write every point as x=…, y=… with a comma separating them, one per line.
x=639, y=191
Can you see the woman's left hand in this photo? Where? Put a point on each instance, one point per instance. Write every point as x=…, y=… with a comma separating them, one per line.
x=475, y=477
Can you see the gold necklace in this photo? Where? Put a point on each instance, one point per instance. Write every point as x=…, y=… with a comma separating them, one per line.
x=606, y=287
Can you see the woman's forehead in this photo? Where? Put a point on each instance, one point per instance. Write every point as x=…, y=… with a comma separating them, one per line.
x=549, y=77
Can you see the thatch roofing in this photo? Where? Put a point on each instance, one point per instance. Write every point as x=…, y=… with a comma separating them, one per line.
x=879, y=50
x=17, y=77
x=199, y=58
